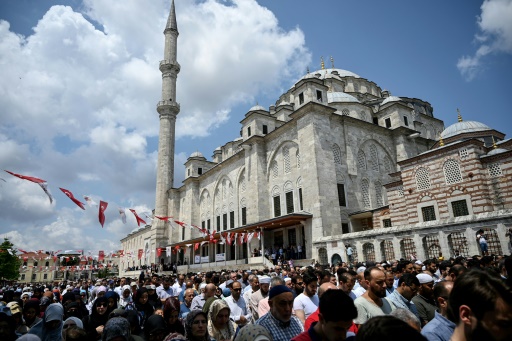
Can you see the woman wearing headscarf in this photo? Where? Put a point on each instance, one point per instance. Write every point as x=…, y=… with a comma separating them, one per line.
x=71, y=322
x=113, y=299
x=171, y=313
x=50, y=328
x=195, y=327
x=117, y=327
x=155, y=328
x=94, y=323
x=254, y=332
x=144, y=309
x=220, y=327
x=126, y=296
x=31, y=312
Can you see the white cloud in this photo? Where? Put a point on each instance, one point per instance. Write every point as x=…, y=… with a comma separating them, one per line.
x=495, y=24
x=79, y=96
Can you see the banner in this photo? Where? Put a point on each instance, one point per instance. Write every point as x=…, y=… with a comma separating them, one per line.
x=101, y=256
x=205, y=259
x=197, y=259
x=219, y=257
x=140, y=253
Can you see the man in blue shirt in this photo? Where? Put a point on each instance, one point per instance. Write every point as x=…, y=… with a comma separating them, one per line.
x=440, y=328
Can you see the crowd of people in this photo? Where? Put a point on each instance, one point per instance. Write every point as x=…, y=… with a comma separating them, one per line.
x=455, y=299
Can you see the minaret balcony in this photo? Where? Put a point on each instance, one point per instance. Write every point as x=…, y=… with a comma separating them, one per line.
x=167, y=65
x=167, y=106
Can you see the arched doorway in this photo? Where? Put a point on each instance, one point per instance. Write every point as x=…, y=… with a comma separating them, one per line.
x=335, y=259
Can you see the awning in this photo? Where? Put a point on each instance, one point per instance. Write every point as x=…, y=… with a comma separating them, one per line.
x=270, y=224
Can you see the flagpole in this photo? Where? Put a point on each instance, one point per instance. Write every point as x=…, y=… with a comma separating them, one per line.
x=262, y=247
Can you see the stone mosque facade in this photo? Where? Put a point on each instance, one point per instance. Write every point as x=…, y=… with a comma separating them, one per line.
x=335, y=161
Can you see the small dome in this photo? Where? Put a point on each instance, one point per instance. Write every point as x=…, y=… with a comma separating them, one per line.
x=464, y=127
x=495, y=151
x=340, y=97
x=218, y=149
x=390, y=99
x=196, y=154
x=283, y=103
x=257, y=107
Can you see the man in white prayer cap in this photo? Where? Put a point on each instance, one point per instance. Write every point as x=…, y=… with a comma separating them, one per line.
x=259, y=295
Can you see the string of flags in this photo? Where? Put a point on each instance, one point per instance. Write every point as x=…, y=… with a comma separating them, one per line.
x=224, y=237
x=90, y=202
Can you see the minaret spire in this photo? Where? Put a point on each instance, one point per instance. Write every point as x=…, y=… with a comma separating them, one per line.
x=168, y=108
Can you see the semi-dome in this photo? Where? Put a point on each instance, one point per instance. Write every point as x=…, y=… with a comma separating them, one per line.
x=328, y=72
x=257, y=107
x=340, y=97
x=390, y=99
x=196, y=154
x=464, y=127
x=495, y=151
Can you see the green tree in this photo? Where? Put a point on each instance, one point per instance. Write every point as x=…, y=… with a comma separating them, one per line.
x=103, y=273
x=9, y=262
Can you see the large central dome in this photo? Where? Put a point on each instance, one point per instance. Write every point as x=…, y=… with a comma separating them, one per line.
x=327, y=73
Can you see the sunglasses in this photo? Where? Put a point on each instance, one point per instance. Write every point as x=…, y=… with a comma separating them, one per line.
x=239, y=289
x=102, y=304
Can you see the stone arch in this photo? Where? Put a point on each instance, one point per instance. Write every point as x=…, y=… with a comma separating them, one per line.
x=382, y=150
x=299, y=182
x=336, y=259
x=369, y=252
x=289, y=143
x=288, y=186
x=388, y=251
x=407, y=248
x=431, y=246
x=275, y=191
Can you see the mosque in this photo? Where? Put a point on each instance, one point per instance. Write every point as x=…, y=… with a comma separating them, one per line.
x=336, y=161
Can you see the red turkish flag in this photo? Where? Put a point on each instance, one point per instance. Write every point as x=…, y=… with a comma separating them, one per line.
x=196, y=246
x=72, y=197
x=29, y=178
x=101, y=256
x=140, y=253
x=212, y=236
x=139, y=219
x=163, y=218
x=101, y=214
x=158, y=251
x=182, y=224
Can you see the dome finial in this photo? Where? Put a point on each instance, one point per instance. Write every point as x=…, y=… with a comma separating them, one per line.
x=332, y=62
x=441, y=142
x=494, y=143
x=322, y=64
x=307, y=70
x=459, y=116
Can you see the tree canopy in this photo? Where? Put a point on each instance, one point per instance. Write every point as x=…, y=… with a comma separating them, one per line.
x=9, y=262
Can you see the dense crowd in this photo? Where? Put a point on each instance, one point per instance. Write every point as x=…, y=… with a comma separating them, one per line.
x=456, y=299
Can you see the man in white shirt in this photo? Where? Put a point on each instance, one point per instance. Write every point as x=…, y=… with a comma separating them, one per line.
x=239, y=312
x=307, y=303
x=179, y=286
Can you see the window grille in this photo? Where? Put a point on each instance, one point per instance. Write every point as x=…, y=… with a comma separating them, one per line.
x=386, y=222
x=495, y=170
x=218, y=223
x=457, y=242
x=401, y=191
x=431, y=246
x=286, y=157
x=275, y=169
x=355, y=257
x=452, y=172
x=277, y=206
x=493, y=241
x=365, y=193
x=369, y=252
x=224, y=221
x=422, y=179
x=429, y=213
x=345, y=112
x=244, y=215
x=463, y=154
x=361, y=160
x=336, y=153
x=322, y=255
x=374, y=157
x=388, y=252
x=243, y=185
x=460, y=208
x=378, y=194
x=407, y=248
x=387, y=165
x=298, y=159
x=289, y=202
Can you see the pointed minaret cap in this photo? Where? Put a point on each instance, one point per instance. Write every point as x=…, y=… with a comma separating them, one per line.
x=441, y=142
x=171, y=21
x=459, y=116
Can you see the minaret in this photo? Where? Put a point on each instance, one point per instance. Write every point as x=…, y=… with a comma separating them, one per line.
x=167, y=109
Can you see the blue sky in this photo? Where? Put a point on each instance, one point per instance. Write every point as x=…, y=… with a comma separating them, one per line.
x=80, y=83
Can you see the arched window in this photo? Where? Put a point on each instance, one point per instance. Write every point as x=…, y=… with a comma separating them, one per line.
x=322, y=256
x=336, y=153
x=361, y=160
x=286, y=157
x=422, y=179
x=275, y=169
x=374, y=158
x=452, y=172
x=378, y=194
x=365, y=193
